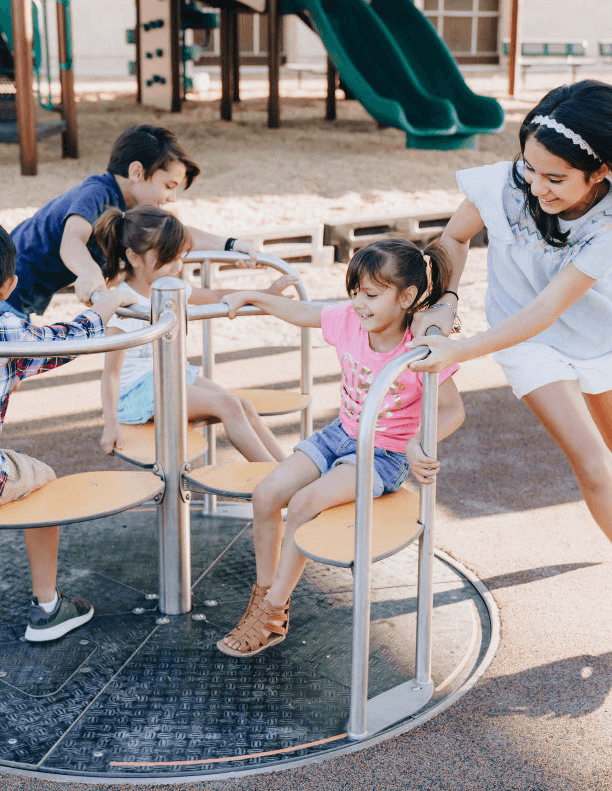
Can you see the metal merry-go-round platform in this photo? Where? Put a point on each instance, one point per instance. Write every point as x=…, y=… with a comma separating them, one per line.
x=141, y=692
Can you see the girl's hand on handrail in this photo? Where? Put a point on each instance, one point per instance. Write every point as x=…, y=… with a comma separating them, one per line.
x=444, y=352
x=442, y=317
x=111, y=439
x=422, y=466
x=235, y=301
x=281, y=283
x=106, y=302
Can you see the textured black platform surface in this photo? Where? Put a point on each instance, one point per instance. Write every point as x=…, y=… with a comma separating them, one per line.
x=127, y=696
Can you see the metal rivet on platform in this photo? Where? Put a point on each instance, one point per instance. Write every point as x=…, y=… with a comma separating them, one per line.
x=85, y=669
x=3, y=673
x=98, y=754
x=12, y=741
x=162, y=620
x=151, y=596
x=211, y=603
x=198, y=616
x=138, y=610
x=83, y=642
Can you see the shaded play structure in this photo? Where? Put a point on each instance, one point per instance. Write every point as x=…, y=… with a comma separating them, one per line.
x=386, y=54
x=25, y=54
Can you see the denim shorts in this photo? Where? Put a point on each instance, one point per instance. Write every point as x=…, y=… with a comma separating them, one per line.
x=137, y=405
x=332, y=446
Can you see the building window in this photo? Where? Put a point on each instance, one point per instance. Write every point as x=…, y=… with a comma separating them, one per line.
x=469, y=28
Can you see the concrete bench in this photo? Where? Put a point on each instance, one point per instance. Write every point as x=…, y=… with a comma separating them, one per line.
x=551, y=55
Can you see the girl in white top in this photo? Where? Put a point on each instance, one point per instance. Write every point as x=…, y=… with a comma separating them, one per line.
x=145, y=243
x=549, y=300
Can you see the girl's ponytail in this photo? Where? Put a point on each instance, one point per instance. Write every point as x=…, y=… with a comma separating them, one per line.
x=439, y=273
x=108, y=230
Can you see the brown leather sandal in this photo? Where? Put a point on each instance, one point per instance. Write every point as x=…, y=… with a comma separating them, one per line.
x=257, y=595
x=250, y=633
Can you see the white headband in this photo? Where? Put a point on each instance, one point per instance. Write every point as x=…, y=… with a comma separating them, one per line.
x=544, y=120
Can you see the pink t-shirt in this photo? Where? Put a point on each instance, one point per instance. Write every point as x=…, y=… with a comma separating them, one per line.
x=400, y=412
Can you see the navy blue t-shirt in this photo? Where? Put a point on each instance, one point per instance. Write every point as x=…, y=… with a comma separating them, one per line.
x=40, y=269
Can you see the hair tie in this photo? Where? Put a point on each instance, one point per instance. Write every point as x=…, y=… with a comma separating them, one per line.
x=545, y=120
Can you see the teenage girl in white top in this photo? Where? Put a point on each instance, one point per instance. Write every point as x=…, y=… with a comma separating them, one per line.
x=549, y=298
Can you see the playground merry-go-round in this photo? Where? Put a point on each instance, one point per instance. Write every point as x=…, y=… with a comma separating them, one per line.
x=386, y=631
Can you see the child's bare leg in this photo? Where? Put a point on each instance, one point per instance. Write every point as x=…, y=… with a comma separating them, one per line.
x=42, y=544
x=262, y=431
x=562, y=410
x=269, y=497
x=336, y=487
x=206, y=399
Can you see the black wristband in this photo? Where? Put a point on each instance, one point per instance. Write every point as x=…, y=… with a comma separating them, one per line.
x=448, y=291
x=229, y=245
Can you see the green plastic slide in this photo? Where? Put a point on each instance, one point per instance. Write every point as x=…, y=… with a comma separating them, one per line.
x=391, y=59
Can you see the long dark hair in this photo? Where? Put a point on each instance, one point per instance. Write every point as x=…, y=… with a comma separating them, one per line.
x=584, y=107
x=139, y=229
x=400, y=263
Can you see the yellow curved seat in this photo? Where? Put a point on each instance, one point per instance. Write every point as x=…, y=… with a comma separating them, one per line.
x=330, y=536
x=80, y=497
x=273, y=402
x=139, y=444
x=231, y=480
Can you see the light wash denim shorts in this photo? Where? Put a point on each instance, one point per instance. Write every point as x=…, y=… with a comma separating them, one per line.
x=332, y=446
x=137, y=405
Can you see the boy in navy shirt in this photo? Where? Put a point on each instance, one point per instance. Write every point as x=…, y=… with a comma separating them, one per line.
x=51, y=613
x=57, y=246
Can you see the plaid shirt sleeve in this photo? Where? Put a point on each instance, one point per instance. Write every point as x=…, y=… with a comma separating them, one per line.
x=14, y=329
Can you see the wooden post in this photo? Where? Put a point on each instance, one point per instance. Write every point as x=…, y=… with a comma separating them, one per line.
x=21, y=11
x=274, y=47
x=235, y=57
x=138, y=43
x=226, y=64
x=70, y=146
x=513, y=46
x=332, y=84
x=176, y=56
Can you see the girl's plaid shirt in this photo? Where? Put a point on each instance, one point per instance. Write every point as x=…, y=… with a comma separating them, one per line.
x=14, y=329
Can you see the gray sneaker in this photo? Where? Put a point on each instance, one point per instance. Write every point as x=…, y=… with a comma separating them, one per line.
x=69, y=613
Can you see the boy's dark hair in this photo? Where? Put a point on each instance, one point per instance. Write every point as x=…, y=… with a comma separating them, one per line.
x=8, y=253
x=154, y=147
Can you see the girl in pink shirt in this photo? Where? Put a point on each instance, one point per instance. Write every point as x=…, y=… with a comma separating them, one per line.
x=387, y=282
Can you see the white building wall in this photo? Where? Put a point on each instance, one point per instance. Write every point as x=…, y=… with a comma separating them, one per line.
x=558, y=20
x=100, y=48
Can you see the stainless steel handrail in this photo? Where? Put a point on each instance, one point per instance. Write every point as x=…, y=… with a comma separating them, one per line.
x=366, y=718
x=106, y=343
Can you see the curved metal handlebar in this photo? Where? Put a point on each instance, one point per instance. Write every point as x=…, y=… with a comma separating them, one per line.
x=106, y=343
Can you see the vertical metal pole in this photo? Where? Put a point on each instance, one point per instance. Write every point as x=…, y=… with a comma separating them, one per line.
x=208, y=366
x=357, y=726
x=169, y=365
x=23, y=41
x=332, y=84
x=429, y=442
x=306, y=380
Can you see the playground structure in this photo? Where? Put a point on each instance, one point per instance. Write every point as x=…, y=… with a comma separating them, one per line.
x=199, y=714
x=25, y=49
x=386, y=53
